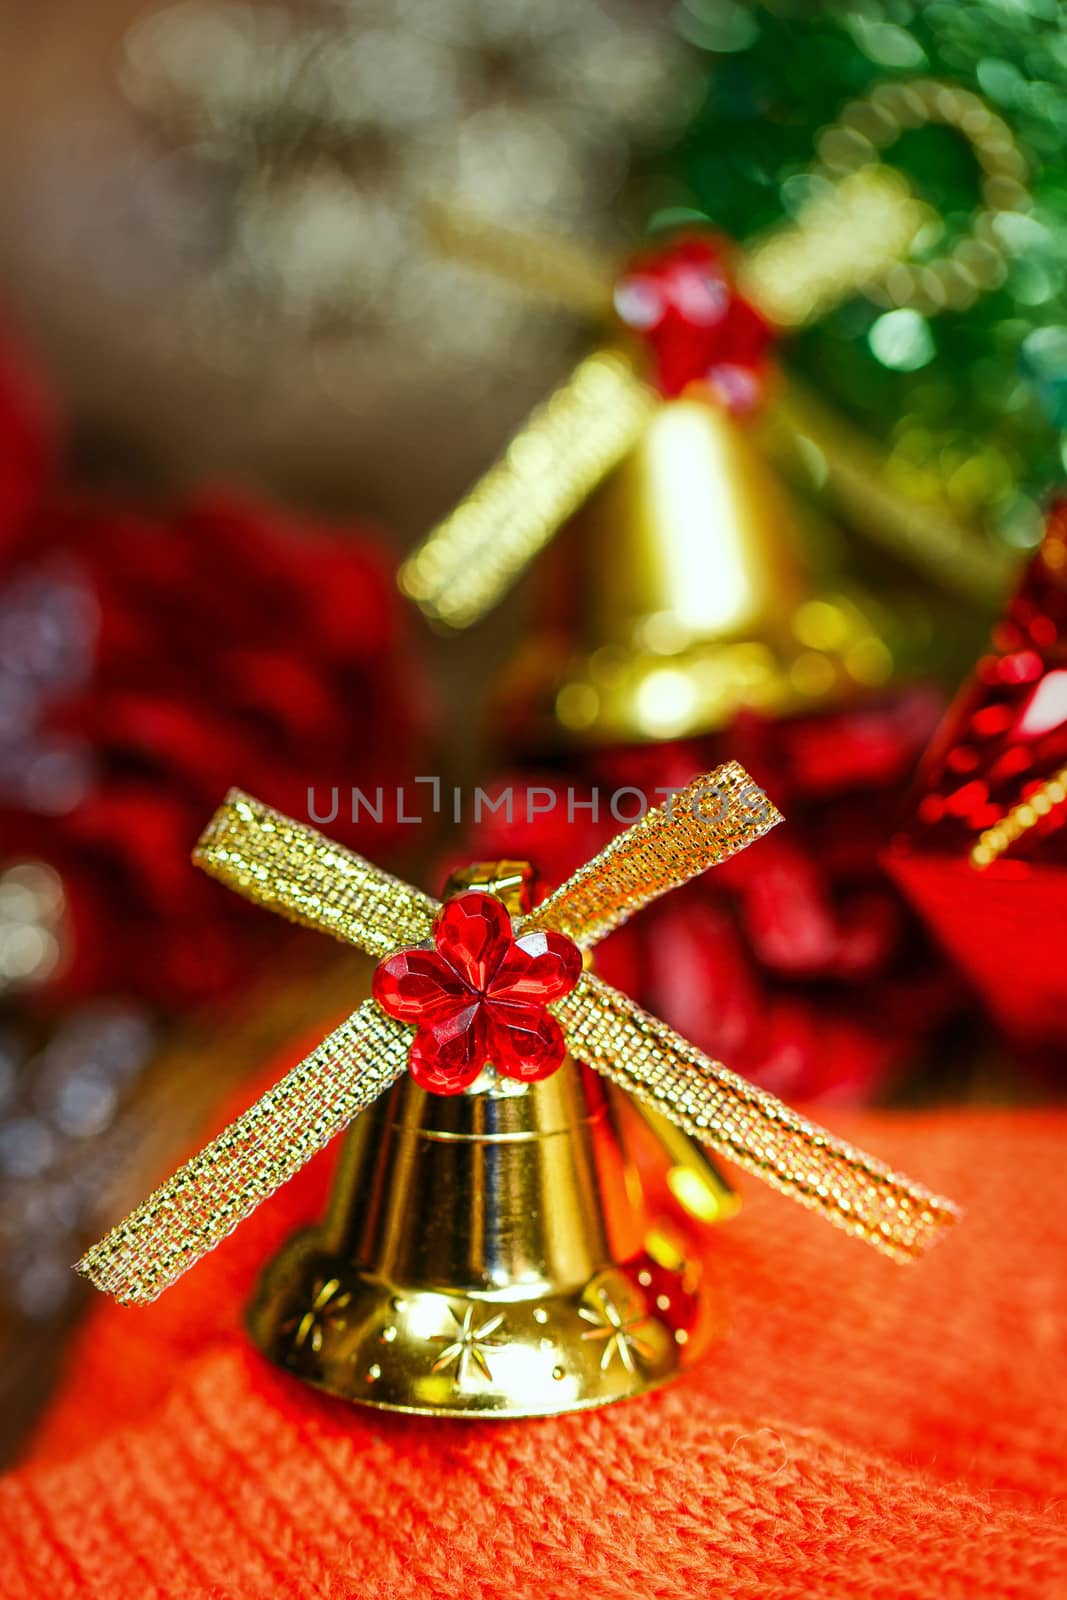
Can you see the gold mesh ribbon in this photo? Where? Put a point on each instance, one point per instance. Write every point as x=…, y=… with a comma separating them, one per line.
x=713, y=818
x=567, y=446
x=292, y=869
x=736, y=1119
x=289, y=867
x=205, y=1200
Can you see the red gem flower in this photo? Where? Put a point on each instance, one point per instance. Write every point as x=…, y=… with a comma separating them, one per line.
x=682, y=301
x=480, y=996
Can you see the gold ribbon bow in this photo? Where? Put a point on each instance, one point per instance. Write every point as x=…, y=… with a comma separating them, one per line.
x=292, y=869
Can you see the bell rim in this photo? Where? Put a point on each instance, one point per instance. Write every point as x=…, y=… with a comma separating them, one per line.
x=471, y=1414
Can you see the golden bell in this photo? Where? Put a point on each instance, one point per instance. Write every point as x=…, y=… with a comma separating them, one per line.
x=498, y=1253
x=692, y=595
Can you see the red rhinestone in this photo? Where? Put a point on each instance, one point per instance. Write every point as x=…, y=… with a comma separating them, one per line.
x=524, y=1042
x=446, y=1059
x=473, y=934
x=480, y=996
x=539, y=966
x=698, y=328
x=418, y=986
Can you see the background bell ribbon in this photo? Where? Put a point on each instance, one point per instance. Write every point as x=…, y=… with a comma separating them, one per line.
x=290, y=868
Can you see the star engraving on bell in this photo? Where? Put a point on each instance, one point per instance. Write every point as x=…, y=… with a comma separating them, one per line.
x=479, y=996
x=615, y=1325
x=321, y=1317
x=468, y=1345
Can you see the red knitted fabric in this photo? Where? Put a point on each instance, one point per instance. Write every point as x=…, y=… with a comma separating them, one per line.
x=864, y=1430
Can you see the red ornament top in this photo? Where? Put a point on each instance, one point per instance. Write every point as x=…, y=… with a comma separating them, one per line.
x=698, y=328
x=480, y=996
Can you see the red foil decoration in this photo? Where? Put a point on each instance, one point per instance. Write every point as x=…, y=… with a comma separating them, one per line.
x=1003, y=738
x=480, y=996
x=149, y=659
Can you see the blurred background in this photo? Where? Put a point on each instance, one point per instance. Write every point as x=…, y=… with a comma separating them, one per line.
x=277, y=284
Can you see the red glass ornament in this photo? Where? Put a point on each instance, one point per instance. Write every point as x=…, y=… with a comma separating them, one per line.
x=480, y=996
x=682, y=300
x=1004, y=737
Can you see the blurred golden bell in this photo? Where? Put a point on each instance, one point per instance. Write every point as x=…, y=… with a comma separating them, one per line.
x=692, y=597
x=498, y=1253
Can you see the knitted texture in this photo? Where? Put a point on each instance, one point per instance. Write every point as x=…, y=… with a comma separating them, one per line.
x=863, y=1429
